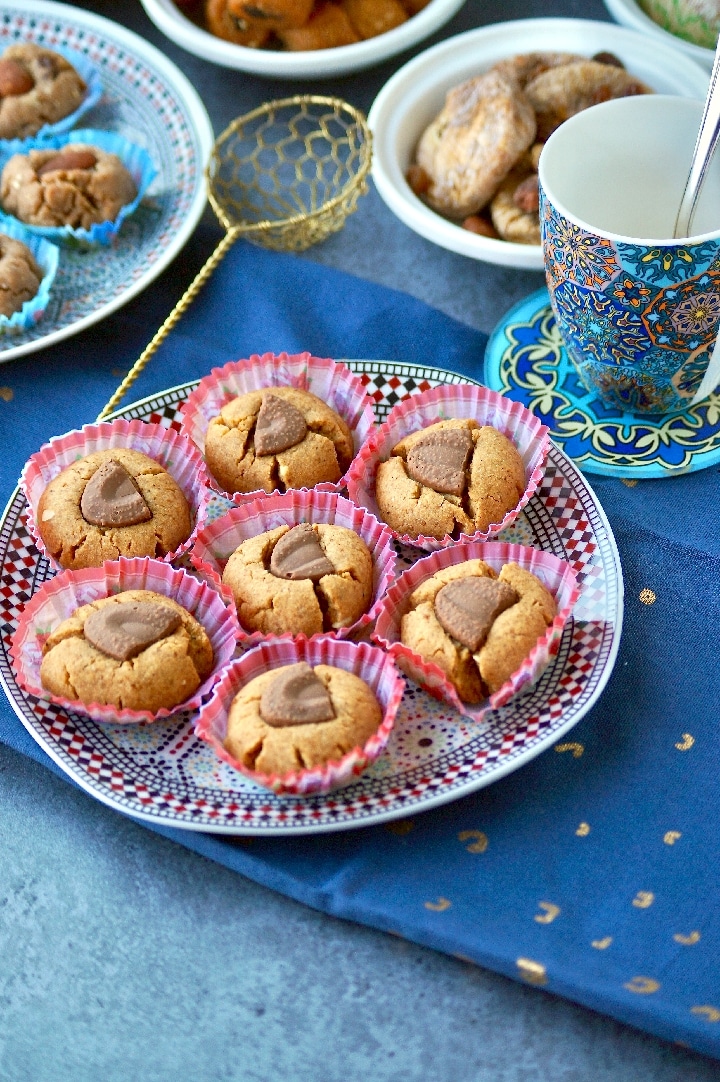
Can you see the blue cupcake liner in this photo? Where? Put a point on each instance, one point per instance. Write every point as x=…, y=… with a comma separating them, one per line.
x=135, y=158
x=47, y=257
x=91, y=77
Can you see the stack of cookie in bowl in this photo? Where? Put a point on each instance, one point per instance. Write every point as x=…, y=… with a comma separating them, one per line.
x=246, y=567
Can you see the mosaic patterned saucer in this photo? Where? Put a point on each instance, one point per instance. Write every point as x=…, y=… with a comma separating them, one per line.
x=525, y=359
x=149, y=101
x=164, y=774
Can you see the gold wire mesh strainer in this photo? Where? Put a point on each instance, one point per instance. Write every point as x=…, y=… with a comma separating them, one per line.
x=284, y=176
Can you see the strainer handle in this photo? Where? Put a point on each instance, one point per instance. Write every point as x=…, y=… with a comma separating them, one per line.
x=182, y=305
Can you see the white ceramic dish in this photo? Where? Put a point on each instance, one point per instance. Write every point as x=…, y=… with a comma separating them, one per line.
x=630, y=14
x=139, y=84
x=416, y=93
x=166, y=775
x=316, y=64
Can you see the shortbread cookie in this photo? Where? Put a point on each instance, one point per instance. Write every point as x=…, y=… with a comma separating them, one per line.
x=77, y=186
x=485, y=126
x=37, y=87
x=112, y=503
x=280, y=438
x=20, y=276
x=477, y=626
x=136, y=650
x=453, y=477
x=297, y=717
x=304, y=580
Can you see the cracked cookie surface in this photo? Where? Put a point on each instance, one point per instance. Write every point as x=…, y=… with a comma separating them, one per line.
x=76, y=543
x=274, y=606
x=37, y=87
x=78, y=186
x=323, y=454
x=263, y=747
x=162, y=675
x=494, y=482
x=511, y=637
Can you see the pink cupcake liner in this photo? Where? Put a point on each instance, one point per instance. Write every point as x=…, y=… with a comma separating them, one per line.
x=330, y=380
x=217, y=541
x=459, y=401
x=557, y=575
x=375, y=667
x=59, y=597
x=168, y=447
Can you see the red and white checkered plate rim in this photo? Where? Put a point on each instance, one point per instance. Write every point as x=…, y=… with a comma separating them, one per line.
x=162, y=773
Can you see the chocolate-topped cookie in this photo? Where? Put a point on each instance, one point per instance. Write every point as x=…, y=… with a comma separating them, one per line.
x=298, y=717
x=277, y=439
x=306, y=579
x=111, y=503
x=452, y=477
x=476, y=625
x=136, y=650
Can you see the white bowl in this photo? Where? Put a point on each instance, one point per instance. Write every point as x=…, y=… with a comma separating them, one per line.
x=317, y=63
x=628, y=13
x=411, y=99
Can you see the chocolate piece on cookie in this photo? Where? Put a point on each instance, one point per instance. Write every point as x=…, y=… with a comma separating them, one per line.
x=280, y=438
x=299, y=555
x=123, y=631
x=295, y=697
x=112, y=498
x=279, y=425
x=438, y=459
x=467, y=608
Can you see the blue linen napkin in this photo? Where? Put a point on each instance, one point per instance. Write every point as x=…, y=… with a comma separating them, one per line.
x=590, y=872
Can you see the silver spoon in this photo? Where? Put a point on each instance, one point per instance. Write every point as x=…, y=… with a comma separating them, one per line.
x=705, y=145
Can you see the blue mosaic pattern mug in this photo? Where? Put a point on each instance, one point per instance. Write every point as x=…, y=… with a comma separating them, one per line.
x=638, y=313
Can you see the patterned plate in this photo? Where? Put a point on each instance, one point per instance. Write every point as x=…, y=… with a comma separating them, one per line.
x=162, y=773
x=526, y=360
x=150, y=102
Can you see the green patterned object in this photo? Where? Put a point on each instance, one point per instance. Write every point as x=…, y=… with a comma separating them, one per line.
x=697, y=21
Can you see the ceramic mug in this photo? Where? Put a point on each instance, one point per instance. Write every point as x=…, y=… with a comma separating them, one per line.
x=638, y=312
